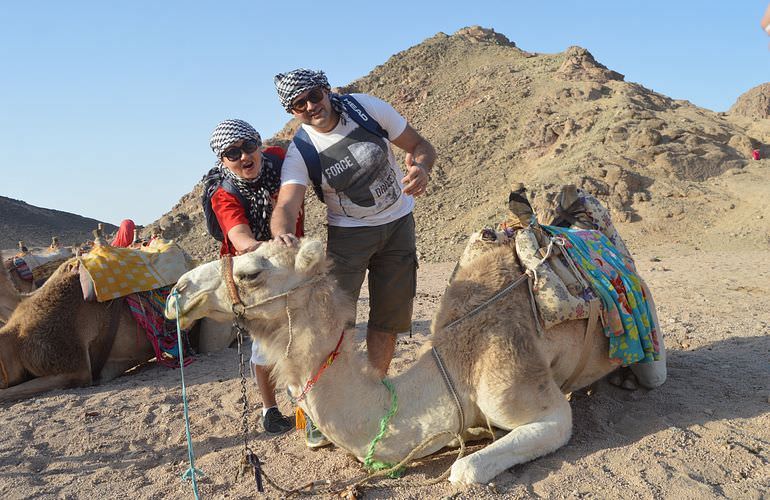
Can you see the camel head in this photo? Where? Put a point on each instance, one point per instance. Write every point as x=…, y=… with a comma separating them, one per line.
x=481, y=242
x=260, y=278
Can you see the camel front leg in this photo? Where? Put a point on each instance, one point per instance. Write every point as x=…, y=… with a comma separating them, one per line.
x=43, y=384
x=522, y=444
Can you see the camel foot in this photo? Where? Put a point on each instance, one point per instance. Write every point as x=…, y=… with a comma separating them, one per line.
x=624, y=378
x=465, y=472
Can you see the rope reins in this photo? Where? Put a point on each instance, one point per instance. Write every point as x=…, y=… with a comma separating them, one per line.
x=450, y=386
x=518, y=281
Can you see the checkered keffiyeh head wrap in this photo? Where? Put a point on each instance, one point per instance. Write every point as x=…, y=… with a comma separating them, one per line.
x=290, y=85
x=228, y=132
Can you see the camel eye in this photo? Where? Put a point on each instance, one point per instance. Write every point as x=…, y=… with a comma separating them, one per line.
x=249, y=277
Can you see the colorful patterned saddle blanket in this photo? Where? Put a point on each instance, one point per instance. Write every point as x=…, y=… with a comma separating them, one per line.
x=588, y=262
x=147, y=309
x=117, y=272
x=626, y=317
x=575, y=268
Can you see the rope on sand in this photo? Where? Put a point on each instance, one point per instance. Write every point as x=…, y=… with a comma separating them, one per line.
x=191, y=472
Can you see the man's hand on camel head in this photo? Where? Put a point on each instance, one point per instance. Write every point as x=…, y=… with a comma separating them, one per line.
x=287, y=239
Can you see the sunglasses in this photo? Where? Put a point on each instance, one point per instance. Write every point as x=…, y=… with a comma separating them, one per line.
x=234, y=153
x=315, y=96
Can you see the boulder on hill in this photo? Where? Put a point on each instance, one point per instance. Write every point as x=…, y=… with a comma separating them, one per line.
x=754, y=103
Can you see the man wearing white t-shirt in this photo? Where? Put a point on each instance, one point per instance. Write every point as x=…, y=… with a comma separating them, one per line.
x=368, y=199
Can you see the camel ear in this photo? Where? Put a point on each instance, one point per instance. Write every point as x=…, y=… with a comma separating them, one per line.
x=311, y=253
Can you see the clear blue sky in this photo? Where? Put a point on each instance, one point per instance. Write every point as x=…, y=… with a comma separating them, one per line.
x=106, y=107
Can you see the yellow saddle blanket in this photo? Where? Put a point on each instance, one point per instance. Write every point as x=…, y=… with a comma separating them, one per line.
x=117, y=272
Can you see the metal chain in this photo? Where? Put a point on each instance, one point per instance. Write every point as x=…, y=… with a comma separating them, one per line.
x=245, y=410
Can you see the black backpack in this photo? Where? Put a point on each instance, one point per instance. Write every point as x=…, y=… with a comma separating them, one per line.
x=212, y=181
x=305, y=147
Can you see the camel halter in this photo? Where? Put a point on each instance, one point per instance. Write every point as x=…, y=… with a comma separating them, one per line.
x=239, y=309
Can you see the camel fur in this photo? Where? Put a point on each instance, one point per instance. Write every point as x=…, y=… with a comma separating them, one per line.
x=9, y=295
x=505, y=373
x=54, y=339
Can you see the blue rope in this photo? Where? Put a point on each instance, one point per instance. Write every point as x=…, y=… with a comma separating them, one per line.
x=190, y=473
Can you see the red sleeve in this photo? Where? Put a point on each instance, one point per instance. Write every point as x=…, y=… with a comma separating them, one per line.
x=229, y=213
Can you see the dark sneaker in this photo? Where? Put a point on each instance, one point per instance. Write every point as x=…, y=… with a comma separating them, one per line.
x=314, y=438
x=275, y=423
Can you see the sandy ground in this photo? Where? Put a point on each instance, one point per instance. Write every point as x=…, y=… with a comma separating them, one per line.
x=704, y=434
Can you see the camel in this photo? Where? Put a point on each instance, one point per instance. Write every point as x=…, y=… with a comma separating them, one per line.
x=55, y=340
x=9, y=295
x=52, y=256
x=504, y=372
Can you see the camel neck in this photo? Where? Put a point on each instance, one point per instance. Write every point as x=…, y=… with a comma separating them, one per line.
x=350, y=400
x=9, y=296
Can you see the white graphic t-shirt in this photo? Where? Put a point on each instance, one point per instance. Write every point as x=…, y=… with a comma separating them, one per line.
x=360, y=178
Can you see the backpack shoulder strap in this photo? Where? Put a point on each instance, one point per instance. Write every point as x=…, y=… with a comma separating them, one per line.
x=277, y=160
x=312, y=161
x=228, y=186
x=359, y=115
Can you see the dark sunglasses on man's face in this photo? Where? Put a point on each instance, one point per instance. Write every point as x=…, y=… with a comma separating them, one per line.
x=234, y=153
x=314, y=96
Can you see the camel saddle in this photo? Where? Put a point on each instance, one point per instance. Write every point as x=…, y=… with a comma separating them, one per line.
x=107, y=272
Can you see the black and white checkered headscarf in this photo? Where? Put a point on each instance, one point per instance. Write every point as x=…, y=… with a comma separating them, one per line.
x=230, y=131
x=257, y=191
x=290, y=85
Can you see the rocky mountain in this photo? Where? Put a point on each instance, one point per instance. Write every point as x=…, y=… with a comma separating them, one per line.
x=499, y=115
x=35, y=226
x=753, y=104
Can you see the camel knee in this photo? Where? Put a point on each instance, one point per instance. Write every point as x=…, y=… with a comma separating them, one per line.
x=651, y=375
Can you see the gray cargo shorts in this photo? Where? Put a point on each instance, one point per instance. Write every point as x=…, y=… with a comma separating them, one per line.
x=389, y=253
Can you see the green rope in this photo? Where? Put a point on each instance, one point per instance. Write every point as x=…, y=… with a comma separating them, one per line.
x=369, y=462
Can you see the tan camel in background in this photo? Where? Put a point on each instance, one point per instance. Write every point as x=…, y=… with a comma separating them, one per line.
x=54, y=340
x=53, y=256
x=9, y=295
x=505, y=374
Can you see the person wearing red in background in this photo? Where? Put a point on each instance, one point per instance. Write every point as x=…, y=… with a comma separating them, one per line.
x=245, y=222
x=125, y=235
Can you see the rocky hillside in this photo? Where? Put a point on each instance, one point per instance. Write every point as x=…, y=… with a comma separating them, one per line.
x=754, y=104
x=499, y=115
x=35, y=226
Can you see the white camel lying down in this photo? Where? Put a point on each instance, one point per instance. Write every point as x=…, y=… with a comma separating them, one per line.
x=505, y=374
